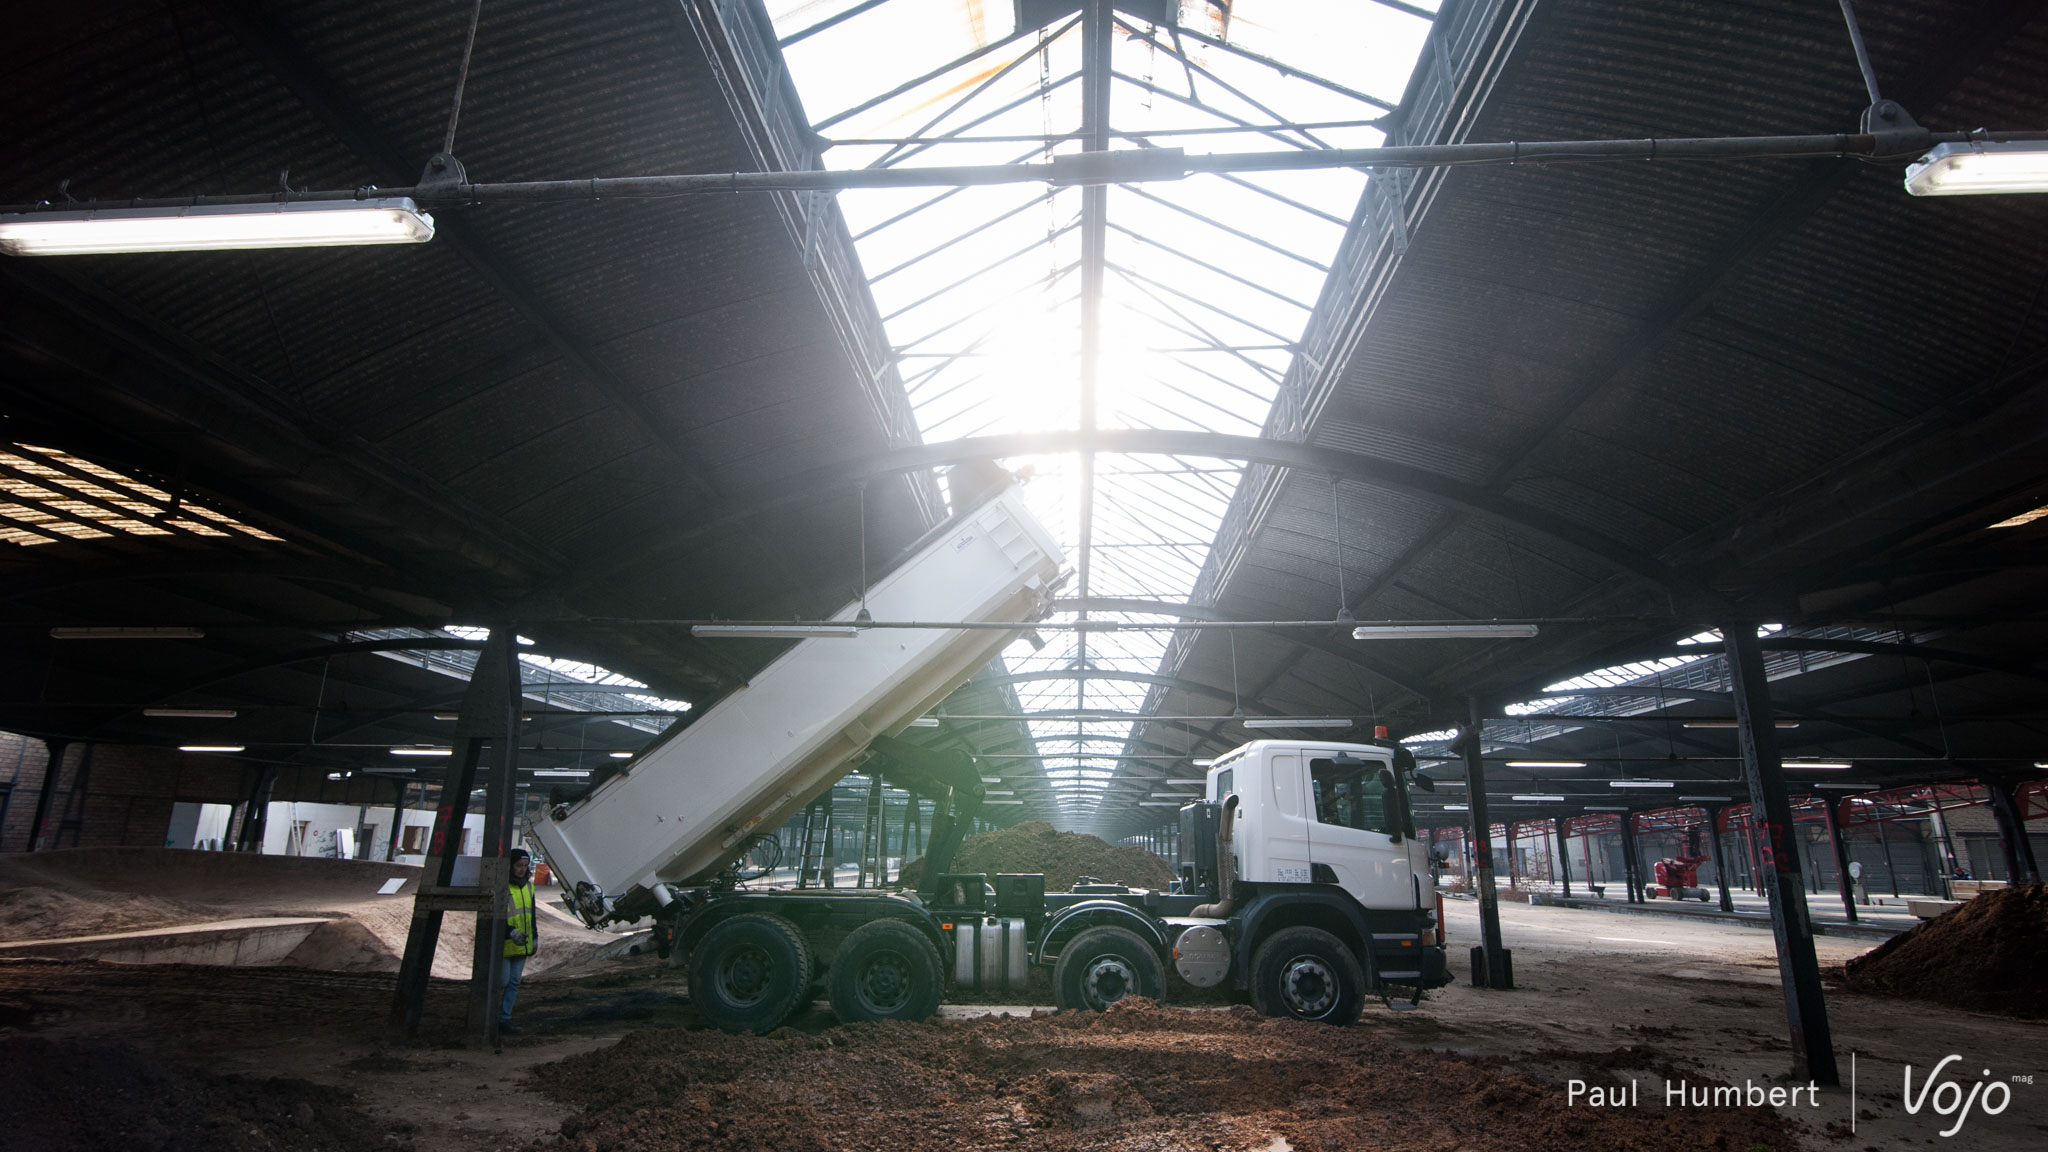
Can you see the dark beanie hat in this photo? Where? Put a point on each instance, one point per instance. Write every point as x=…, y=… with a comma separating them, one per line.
x=518, y=854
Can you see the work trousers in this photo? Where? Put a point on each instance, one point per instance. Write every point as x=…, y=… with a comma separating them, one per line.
x=515, y=967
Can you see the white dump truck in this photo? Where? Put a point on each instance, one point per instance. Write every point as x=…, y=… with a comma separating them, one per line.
x=1301, y=878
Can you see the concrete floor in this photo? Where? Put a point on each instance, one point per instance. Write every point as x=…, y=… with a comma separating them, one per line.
x=1702, y=996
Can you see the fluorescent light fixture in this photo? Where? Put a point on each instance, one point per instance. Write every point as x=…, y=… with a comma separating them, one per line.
x=1605, y=808
x=1541, y=799
x=1298, y=722
x=1002, y=802
x=190, y=713
x=127, y=634
x=1818, y=765
x=1184, y=780
x=925, y=722
x=565, y=773
x=776, y=631
x=1980, y=168
x=1207, y=763
x=991, y=779
x=1443, y=631
x=206, y=228
x=998, y=792
x=1734, y=724
x=620, y=755
x=1457, y=807
x=1546, y=763
x=1642, y=784
x=1843, y=787
x=421, y=750
x=390, y=770
x=1159, y=804
x=2027, y=517
x=209, y=747
x=1713, y=799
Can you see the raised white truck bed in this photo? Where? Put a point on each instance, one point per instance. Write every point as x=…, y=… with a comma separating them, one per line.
x=758, y=756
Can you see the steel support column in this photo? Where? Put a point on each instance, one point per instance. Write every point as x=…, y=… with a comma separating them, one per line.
x=398, y=810
x=490, y=715
x=1720, y=858
x=2020, y=865
x=1806, y=1012
x=53, y=775
x=257, y=811
x=1631, y=859
x=1841, y=845
x=1492, y=965
x=1564, y=856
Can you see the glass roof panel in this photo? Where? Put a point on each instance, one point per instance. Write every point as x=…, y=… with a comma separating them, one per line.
x=1206, y=282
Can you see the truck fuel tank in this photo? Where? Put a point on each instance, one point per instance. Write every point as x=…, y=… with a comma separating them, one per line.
x=989, y=954
x=1202, y=956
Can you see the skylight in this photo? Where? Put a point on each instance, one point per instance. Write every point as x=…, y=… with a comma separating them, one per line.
x=47, y=494
x=1200, y=286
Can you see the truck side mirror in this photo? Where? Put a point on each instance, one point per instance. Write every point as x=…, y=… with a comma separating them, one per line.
x=1424, y=782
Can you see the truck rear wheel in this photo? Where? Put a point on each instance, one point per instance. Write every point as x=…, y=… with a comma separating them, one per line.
x=885, y=970
x=1102, y=966
x=749, y=973
x=1307, y=974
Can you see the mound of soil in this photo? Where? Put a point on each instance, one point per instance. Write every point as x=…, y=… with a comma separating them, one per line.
x=1985, y=955
x=1138, y=1077
x=44, y=913
x=1064, y=857
x=89, y=1098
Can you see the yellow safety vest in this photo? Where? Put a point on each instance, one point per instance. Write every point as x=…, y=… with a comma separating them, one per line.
x=519, y=915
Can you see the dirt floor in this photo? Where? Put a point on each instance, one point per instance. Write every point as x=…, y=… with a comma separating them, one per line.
x=1986, y=955
x=612, y=1059
x=91, y=891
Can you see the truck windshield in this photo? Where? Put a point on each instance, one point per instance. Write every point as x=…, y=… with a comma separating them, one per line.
x=1349, y=795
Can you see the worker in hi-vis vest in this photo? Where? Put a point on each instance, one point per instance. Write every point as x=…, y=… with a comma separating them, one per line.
x=521, y=939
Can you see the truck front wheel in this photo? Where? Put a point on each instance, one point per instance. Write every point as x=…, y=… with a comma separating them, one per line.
x=1102, y=966
x=1307, y=974
x=885, y=970
x=749, y=973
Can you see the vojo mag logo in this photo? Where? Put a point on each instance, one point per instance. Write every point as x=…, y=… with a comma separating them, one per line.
x=1946, y=1098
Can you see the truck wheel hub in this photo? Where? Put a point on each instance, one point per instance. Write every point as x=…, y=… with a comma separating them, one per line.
x=1309, y=985
x=884, y=985
x=1110, y=979
x=744, y=975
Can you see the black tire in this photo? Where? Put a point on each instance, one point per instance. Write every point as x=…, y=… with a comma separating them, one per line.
x=750, y=973
x=1103, y=965
x=885, y=970
x=1307, y=974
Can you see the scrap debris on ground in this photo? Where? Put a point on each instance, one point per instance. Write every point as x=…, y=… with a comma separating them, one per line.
x=1136, y=1077
x=1985, y=956
x=1064, y=857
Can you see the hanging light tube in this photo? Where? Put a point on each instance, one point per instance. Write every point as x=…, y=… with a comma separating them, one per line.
x=422, y=750
x=1444, y=631
x=1642, y=783
x=216, y=227
x=1297, y=722
x=775, y=631
x=1546, y=763
x=210, y=747
x=1980, y=168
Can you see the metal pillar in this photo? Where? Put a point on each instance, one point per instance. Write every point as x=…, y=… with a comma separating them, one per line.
x=53, y=775
x=1492, y=965
x=256, y=811
x=398, y=811
x=2020, y=866
x=1806, y=1012
x=1720, y=858
x=489, y=716
x=1631, y=859
x=1564, y=857
x=1834, y=806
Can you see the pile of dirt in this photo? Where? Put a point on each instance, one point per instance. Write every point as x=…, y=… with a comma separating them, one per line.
x=1064, y=857
x=37, y=912
x=1985, y=955
x=88, y=1098
x=97, y=891
x=1136, y=1077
